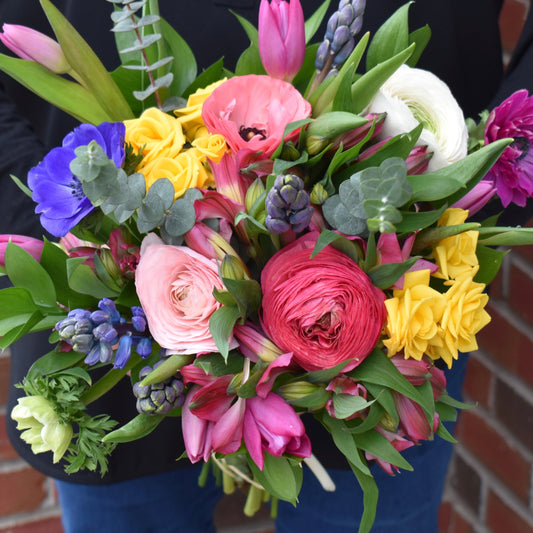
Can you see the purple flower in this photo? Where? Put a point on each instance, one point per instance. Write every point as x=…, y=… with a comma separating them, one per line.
x=512, y=173
x=58, y=193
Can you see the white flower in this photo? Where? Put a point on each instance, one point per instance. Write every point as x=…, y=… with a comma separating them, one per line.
x=412, y=96
x=45, y=432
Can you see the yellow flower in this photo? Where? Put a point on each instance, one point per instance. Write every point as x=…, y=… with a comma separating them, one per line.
x=185, y=171
x=412, y=316
x=211, y=146
x=191, y=116
x=463, y=317
x=44, y=430
x=156, y=134
x=457, y=254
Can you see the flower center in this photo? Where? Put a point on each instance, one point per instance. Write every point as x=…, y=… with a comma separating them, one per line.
x=76, y=188
x=522, y=144
x=249, y=133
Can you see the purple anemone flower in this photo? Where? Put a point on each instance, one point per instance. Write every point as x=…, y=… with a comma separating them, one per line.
x=58, y=193
x=513, y=172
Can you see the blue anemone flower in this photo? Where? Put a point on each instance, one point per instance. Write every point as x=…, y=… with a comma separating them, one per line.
x=58, y=193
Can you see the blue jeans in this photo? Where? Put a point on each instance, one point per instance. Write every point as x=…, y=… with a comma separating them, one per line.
x=173, y=502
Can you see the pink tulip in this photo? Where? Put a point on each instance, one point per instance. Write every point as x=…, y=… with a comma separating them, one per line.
x=33, y=246
x=228, y=430
x=196, y=431
x=33, y=45
x=281, y=37
x=271, y=424
x=478, y=197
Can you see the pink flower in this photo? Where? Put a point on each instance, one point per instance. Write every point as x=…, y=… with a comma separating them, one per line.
x=271, y=424
x=323, y=309
x=175, y=287
x=33, y=246
x=251, y=112
x=399, y=443
x=513, y=172
x=126, y=255
x=281, y=37
x=413, y=420
x=477, y=198
x=196, y=431
x=33, y=45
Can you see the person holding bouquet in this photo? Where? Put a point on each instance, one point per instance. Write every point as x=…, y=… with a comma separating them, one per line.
x=147, y=491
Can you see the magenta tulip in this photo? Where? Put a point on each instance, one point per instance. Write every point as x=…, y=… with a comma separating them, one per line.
x=477, y=198
x=35, y=46
x=33, y=246
x=281, y=37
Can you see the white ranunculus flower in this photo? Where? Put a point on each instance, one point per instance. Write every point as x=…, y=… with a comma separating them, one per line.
x=412, y=96
x=44, y=431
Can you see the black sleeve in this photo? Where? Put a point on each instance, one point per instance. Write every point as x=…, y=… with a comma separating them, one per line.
x=21, y=150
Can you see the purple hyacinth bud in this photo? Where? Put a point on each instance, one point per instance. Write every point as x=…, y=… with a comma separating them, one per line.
x=123, y=351
x=105, y=332
x=144, y=347
x=99, y=316
x=101, y=352
x=108, y=306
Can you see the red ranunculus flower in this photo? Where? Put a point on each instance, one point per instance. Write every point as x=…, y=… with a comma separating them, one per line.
x=251, y=112
x=325, y=310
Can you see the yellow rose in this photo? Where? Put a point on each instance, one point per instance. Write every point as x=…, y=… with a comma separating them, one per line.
x=184, y=171
x=457, y=254
x=156, y=134
x=412, y=316
x=211, y=146
x=191, y=116
x=463, y=317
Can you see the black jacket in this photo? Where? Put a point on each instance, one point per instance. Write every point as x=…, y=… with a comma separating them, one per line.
x=464, y=51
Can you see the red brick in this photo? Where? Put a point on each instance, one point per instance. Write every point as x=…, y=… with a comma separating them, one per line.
x=445, y=514
x=496, y=286
x=4, y=378
x=477, y=383
x=459, y=524
x=508, y=345
x=492, y=449
x=47, y=525
x=22, y=490
x=7, y=452
x=500, y=518
x=512, y=19
x=521, y=293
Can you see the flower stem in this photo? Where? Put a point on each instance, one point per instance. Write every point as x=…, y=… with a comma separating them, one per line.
x=107, y=382
x=253, y=501
x=321, y=473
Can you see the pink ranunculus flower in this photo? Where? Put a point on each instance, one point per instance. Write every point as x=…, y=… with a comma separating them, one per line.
x=281, y=37
x=33, y=246
x=175, y=287
x=252, y=111
x=513, y=172
x=325, y=310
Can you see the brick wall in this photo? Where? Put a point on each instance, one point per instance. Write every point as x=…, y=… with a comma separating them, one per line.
x=490, y=487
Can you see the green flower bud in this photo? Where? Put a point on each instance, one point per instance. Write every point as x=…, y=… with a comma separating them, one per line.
x=319, y=194
x=304, y=394
x=328, y=126
x=110, y=264
x=290, y=152
x=44, y=430
x=232, y=268
x=253, y=194
x=387, y=423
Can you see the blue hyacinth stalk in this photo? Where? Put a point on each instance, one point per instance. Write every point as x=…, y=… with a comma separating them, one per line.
x=339, y=39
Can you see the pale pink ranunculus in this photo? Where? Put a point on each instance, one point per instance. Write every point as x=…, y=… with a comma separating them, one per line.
x=325, y=310
x=33, y=246
x=175, y=287
x=252, y=111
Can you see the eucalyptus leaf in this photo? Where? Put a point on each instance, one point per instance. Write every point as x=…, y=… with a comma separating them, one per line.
x=338, y=216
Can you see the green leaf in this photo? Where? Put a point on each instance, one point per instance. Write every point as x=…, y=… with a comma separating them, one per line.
x=54, y=362
x=221, y=326
x=138, y=427
x=364, y=89
x=248, y=27
x=184, y=64
x=87, y=65
x=166, y=369
x=384, y=276
x=211, y=74
x=315, y=20
x=502, y=236
x=490, y=262
x=452, y=182
x=81, y=278
x=421, y=38
x=346, y=405
x=25, y=272
x=63, y=94
x=390, y=39
x=430, y=237
x=250, y=62
x=54, y=261
x=413, y=221
x=370, y=498
x=376, y=444
x=443, y=433
x=16, y=307
x=280, y=476
x=247, y=294
x=19, y=331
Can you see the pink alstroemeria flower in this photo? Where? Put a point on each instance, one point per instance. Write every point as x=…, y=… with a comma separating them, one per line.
x=281, y=37
x=398, y=441
x=252, y=111
x=33, y=246
x=413, y=420
x=389, y=251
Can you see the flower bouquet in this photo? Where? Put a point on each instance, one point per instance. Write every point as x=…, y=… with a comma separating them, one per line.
x=292, y=237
